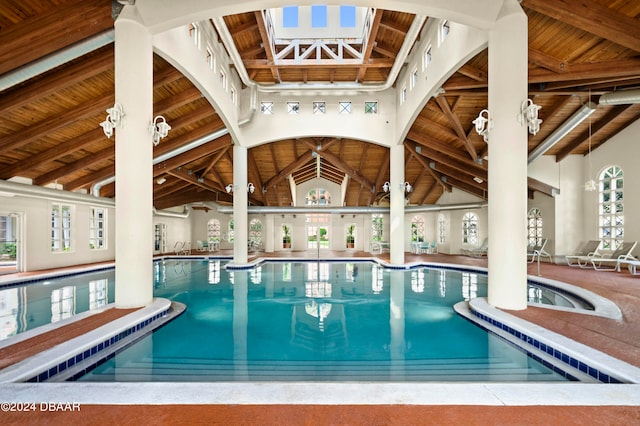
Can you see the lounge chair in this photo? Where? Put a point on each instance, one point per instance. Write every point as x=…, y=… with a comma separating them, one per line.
x=632, y=264
x=537, y=251
x=479, y=251
x=612, y=262
x=582, y=257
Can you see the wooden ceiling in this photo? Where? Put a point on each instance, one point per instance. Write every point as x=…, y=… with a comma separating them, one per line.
x=578, y=50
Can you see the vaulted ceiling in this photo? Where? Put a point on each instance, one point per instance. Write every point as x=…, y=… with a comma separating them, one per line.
x=49, y=133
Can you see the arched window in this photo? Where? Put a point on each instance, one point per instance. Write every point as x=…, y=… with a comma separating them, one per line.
x=441, y=229
x=213, y=230
x=611, y=208
x=417, y=229
x=470, y=228
x=534, y=227
x=318, y=197
x=255, y=234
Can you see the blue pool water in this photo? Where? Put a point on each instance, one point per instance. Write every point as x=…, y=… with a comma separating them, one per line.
x=318, y=321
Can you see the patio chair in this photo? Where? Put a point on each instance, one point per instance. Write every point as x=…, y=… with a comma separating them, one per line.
x=612, y=262
x=632, y=264
x=537, y=251
x=479, y=251
x=582, y=257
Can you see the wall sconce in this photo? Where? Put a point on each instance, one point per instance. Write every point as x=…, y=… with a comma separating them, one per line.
x=115, y=117
x=406, y=186
x=385, y=187
x=161, y=180
x=529, y=114
x=159, y=129
x=483, y=124
x=250, y=188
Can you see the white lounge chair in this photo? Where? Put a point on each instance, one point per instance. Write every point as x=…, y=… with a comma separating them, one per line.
x=612, y=261
x=632, y=264
x=537, y=251
x=582, y=257
x=479, y=251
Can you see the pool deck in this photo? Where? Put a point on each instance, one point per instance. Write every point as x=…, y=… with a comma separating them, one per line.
x=156, y=403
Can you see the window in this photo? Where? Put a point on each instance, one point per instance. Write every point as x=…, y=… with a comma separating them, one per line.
x=293, y=107
x=417, y=229
x=441, y=229
x=345, y=107
x=470, y=228
x=194, y=34
x=377, y=228
x=319, y=16
x=97, y=228
x=255, y=234
x=444, y=30
x=223, y=79
x=319, y=107
x=347, y=16
x=534, y=227
x=60, y=228
x=211, y=61
x=290, y=17
x=371, y=107
x=286, y=235
x=318, y=197
x=230, y=231
x=213, y=230
x=427, y=57
x=234, y=96
x=403, y=95
x=611, y=208
x=266, y=107
x=414, y=78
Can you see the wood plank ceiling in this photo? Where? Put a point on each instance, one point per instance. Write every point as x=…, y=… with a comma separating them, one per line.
x=49, y=133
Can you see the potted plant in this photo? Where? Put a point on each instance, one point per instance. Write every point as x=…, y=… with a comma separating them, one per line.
x=351, y=239
x=286, y=236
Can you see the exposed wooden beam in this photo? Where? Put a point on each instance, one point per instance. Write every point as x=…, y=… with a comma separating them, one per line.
x=547, y=61
x=91, y=178
x=338, y=163
x=266, y=42
x=592, y=17
x=85, y=162
x=192, y=155
x=371, y=41
x=426, y=166
x=290, y=168
x=201, y=182
x=457, y=126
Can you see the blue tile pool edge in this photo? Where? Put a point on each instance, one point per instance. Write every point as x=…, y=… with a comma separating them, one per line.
x=94, y=345
x=562, y=354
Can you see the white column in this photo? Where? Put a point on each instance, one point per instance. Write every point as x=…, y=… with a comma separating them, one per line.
x=396, y=201
x=134, y=157
x=508, y=160
x=240, y=205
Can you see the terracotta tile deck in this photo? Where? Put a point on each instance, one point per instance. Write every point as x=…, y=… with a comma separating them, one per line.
x=620, y=339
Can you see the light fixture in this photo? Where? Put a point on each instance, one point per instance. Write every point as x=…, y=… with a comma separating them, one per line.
x=385, y=187
x=115, y=117
x=529, y=115
x=250, y=188
x=406, y=186
x=161, y=180
x=159, y=129
x=578, y=117
x=483, y=124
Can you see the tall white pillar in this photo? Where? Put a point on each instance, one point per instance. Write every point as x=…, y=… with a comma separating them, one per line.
x=240, y=205
x=134, y=158
x=396, y=208
x=508, y=160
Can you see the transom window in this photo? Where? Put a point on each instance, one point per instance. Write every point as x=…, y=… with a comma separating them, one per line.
x=266, y=107
x=470, y=228
x=345, y=107
x=534, y=227
x=319, y=107
x=318, y=197
x=371, y=107
x=611, y=208
x=293, y=107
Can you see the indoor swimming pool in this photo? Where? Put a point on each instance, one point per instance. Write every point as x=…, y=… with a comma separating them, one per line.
x=318, y=321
